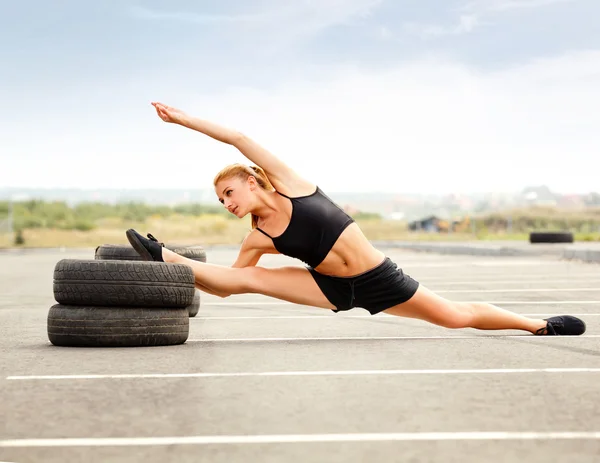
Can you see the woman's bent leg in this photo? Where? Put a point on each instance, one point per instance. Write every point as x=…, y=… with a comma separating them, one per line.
x=428, y=306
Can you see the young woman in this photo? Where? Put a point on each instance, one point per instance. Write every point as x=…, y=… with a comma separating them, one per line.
x=292, y=216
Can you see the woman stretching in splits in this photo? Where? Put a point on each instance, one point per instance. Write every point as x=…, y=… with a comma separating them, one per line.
x=294, y=217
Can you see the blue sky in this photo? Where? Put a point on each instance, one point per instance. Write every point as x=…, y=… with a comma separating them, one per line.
x=358, y=95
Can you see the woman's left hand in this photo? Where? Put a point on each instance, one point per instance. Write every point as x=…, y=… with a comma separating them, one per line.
x=168, y=113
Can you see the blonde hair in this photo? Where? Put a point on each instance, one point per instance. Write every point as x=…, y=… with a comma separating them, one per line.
x=243, y=172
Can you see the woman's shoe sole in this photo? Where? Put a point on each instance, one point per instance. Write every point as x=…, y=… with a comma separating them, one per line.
x=137, y=245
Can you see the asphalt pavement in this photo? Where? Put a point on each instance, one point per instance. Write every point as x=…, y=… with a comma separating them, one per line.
x=264, y=380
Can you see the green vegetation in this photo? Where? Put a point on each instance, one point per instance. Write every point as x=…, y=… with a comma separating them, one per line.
x=585, y=224
x=44, y=223
x=59, y=215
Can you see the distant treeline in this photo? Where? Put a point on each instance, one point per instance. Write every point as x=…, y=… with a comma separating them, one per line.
x=541, y=218
x=84, y=216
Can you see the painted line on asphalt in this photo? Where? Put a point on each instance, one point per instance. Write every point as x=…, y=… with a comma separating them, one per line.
x=561, y=277
x=291, y=317
x=295, y=438
x=475, y=263
x=337, y=316
x=269, y=303
x=559, y=314
x=309, y=373
x=517, y=290
x=381, y=338
x=546, y=281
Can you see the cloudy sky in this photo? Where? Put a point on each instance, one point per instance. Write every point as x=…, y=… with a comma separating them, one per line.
x=357, y=95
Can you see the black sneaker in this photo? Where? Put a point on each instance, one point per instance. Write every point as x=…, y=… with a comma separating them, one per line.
x=565, y=325
x=149, y=248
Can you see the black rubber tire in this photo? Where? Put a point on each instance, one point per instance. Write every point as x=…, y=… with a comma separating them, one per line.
x=123, y=284
x=551, y=237
x=126, y=252
x=81, y=326
x=194, y=307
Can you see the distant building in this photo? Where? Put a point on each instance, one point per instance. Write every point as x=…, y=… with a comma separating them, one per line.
x=428, y=224
x=539, y=196
x=434, y=224
x=396, y=216
x=572, y=202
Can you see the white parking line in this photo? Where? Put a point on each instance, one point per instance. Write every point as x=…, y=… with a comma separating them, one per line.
x=295, y=438
x=337, y=317
x=311, y=373
x=517, y=290
x=474, y=263
x=382, y=338
x=563, y=281
x=529, y=278
x=516, y=263
x=270, y=303
x=555, y=314
x=291, y=317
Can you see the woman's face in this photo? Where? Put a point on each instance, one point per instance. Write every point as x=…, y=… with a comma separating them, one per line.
x=234, y=194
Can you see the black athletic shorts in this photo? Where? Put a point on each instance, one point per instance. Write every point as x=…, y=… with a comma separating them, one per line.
x=374, y=290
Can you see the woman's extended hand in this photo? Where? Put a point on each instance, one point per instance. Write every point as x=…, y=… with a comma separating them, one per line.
x=169, y=114
x=174, y=115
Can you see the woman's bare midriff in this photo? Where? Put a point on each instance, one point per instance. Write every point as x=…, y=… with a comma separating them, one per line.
x=351, y=255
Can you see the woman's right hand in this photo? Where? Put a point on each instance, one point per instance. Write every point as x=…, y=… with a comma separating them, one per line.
x=169, y=114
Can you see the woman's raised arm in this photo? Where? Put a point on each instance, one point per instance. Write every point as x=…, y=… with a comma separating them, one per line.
x=282, y=177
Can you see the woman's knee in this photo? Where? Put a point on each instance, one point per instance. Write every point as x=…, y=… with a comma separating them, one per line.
x=236, y=281
x=457, y=315
x=432, y=308
x=249, y=279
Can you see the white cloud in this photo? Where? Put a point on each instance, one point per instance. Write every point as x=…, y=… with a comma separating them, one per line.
x=429, y=126
x=466, y=24
x=505, y=5
x=384, y=33
x=475, y=14
x=277, y=23
x=149, y=14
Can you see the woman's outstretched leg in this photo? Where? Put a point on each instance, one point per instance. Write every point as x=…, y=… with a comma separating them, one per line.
x=206, y=290
x=292, y=284
x=428, y=306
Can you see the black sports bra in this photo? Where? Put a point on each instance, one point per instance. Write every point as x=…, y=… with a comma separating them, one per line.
x=315, y=225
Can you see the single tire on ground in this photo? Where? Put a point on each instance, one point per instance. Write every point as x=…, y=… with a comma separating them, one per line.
x=84, y=326
x=123, y=284
x=126, y=252
x=194, y=307
x=551, y=237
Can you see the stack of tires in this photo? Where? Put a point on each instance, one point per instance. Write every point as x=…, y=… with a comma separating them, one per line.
x=119, y=300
